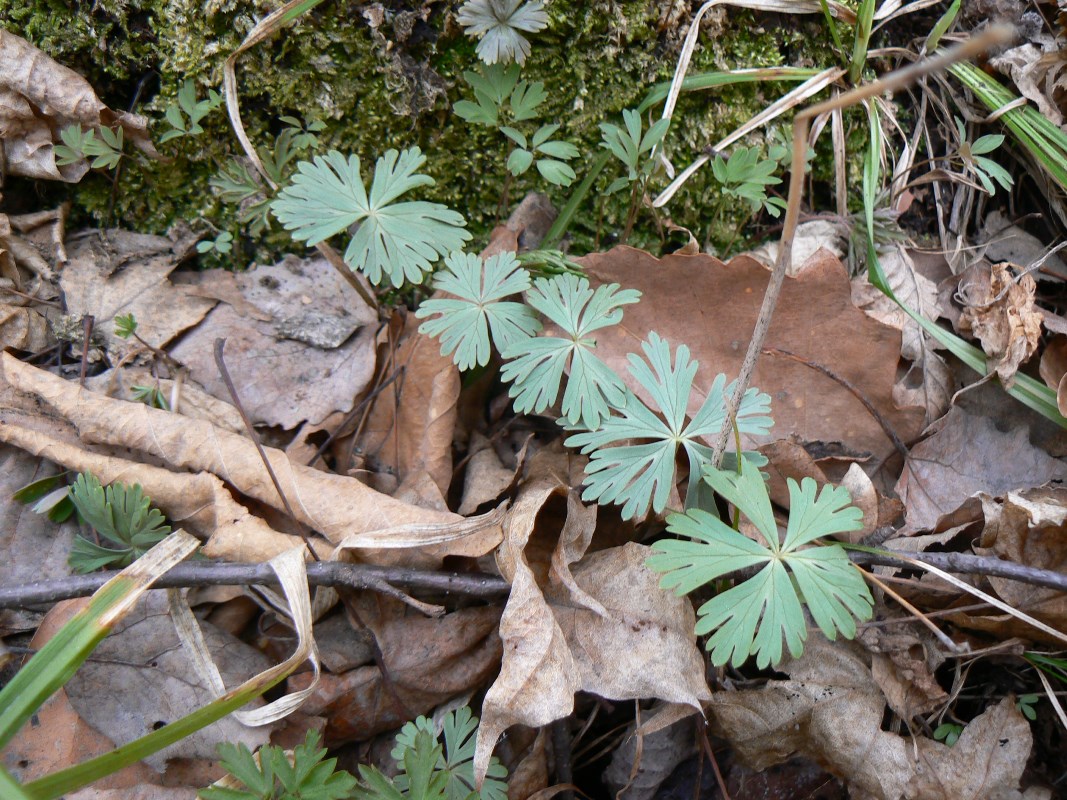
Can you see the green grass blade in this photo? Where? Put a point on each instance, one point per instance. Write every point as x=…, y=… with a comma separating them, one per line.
x=1037, y=134
x=708, y=80
x=566, y=215
x=864, y=22
x=10, y=788
x=68, y=780
x=54, y=664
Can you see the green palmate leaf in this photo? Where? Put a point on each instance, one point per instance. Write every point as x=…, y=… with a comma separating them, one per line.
x=746, y=176
x=457, y=758
x=119, y=513
x=464, y=324
x=539, y=363
x=419, y=778
x=629, y=145
x=639, y=475
x=307, y=777
x=399, y=241
x=498, y=22
x=754, y=617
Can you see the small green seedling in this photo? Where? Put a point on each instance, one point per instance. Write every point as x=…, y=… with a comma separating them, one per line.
x=184, y=115
x=948, y=732
x=104, y=149
x=120, y=514
x=1026, y=704
x=746, y=176
x=221, y=244
x=974, y=157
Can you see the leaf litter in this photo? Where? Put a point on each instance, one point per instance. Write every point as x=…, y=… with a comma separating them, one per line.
x=852, y=382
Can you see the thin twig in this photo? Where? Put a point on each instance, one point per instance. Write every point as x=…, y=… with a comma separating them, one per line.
x=220, y=344
x=993, y=35
x=87, y=334
x=323, y=573
x=968, y=564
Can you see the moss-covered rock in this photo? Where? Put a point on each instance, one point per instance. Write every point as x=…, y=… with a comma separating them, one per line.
x=385, y=75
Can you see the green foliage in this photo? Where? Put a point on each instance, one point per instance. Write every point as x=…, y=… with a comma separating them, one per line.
x=631, y=148
x=974, y=158
x=418, y=771
x=552, y=168
x=746, y=176
x=398, y=241
x=456, y=759
x=948, y=732
x=1025, y=704
x=274, y=777
x=639, y=475
x=151, y=396
x=184, y=115
x=498, y=23
x=536, y=365
x=463, y=325
x=501, y=100
x=239, y=184
x=105, y=150
x=222, y=244
x=120, y=514
x=125, y=325
x=753, y=617
x=49, y=496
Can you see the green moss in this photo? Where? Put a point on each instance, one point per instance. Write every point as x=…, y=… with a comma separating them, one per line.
x=393, y=87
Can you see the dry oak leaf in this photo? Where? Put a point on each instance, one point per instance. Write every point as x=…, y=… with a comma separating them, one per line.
x=602, y=625
x=1026, y=527
x=1054, y=369
x=314, y=354
x=999, y=309
x=119, y=272
x=964, y=454
x=411, y=423
x=38, y=98
x=336, y=506
x=831, y=710
x=712, y=307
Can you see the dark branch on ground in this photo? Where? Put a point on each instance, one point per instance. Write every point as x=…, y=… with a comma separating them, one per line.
x=477, y=585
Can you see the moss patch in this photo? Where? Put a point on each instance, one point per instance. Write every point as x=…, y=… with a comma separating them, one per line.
x=389, y=81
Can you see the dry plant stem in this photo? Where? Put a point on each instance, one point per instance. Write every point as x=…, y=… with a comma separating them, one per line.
x=88, y=321
x=946, y=642
x=703, y=733
x=324, y=573
x=895, y=81
x=561, y=754
x=967, y=564
x=346, y=272
x=220, y=344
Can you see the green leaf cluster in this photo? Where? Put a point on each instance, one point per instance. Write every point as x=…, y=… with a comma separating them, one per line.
x=632, y=148
x=498, y=22
x=746, y=176
x=151, y=396
x=238, y=184
x=503, y=101
x=756, y=615
x=125, y=325
x=184, y=115
x=50, y=495
x=464, y=324
x=633, y=453
x=975, y=159
x=455, y=760
x=222, y=244
x=120, y=514
x=104, y=149
x=270, y=775
x=394, y=241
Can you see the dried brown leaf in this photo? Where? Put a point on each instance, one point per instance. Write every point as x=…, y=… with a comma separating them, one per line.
x=127, y=273
x=967, y=453
x=1054, y=369
x=1001, y=312
x=411, y=423
x=712, y=307
x=602, y=625
x=334, y=505
x=831, y=710
x=313, y=356
x=39, y=98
